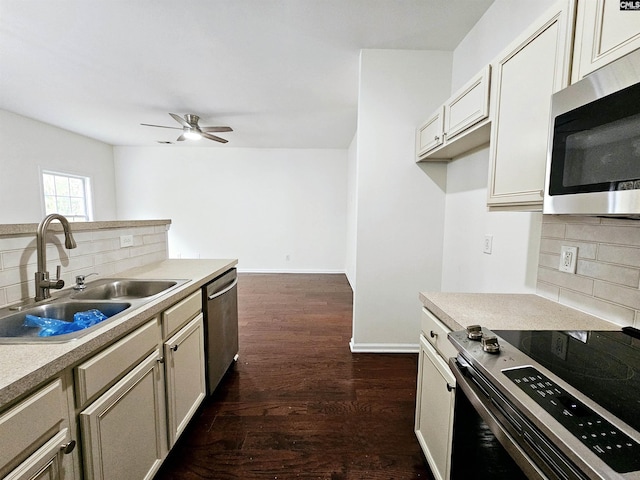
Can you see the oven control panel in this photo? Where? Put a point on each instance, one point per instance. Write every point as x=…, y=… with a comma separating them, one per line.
x=614, y=447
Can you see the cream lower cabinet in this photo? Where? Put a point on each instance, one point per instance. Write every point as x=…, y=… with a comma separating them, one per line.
x=435, y=396
x=122, y=420
x=524, y=77
x=185, y=376
x=123, y=431
x=604, y=33
x=36, y=434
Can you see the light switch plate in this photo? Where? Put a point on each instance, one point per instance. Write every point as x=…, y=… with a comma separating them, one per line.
x=568, y=259
x=488, y=244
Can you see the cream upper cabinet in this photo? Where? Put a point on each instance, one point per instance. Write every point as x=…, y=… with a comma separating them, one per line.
x=460, y=124
x=435, y=396
x=430, y=134
x=525, y=76
x=604, y=33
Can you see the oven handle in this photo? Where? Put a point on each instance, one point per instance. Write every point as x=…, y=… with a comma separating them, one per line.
x=461, y=370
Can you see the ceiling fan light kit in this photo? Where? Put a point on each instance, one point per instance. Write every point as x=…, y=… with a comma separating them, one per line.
x=191, y=130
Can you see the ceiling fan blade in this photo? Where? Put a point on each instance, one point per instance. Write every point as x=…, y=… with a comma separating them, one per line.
x=216, y=129
x=161, y=126
x=214, y=138
x=180, y=120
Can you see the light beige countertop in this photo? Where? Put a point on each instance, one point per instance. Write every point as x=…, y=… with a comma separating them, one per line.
x=25, y=366
x=508, y=312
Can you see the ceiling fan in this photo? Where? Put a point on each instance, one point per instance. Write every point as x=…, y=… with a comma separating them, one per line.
x=191, y=130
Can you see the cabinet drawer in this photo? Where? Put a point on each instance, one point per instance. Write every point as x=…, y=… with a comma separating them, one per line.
x=175, y=317
x=28, y=425
x=108, y=366
x=436, y=334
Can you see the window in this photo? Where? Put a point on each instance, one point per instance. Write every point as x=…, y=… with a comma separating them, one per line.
x=68, y=195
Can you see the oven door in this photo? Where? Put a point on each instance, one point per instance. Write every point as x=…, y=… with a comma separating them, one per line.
x=533, y=454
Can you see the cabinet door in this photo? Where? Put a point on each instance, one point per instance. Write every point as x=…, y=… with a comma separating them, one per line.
x=468, y=106
x=184, y=364
x=124, y=430
x=430, y=134
x=524, y=78
x=604, y=33
x=435, y=399
x=47, y=462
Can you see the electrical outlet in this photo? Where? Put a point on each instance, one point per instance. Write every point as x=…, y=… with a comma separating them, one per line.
x=126, y=241
x=568, y=259
x=488, y=244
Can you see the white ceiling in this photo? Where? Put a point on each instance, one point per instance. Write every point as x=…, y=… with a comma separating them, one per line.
x=282, y=73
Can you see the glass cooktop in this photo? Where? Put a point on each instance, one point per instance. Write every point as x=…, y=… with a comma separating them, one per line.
x=602, y=365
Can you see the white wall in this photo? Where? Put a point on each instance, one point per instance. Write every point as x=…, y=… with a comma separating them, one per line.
x=516, y=235
x=28, y=146
x=400, y=205
x=257, y=205
x=352, y=212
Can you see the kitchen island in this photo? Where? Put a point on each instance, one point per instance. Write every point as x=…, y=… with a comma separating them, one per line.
x=123, y=392
x=24, y=366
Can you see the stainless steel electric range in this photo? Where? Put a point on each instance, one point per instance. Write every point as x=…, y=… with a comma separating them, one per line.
x=563, y=404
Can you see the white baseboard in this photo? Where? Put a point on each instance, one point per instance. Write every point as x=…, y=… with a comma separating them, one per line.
x=384, y=347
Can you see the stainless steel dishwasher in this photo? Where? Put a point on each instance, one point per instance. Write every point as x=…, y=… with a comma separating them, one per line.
x=221, y=326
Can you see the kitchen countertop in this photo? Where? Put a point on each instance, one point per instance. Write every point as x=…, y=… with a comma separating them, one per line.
x=508, y=312
x=25, y=366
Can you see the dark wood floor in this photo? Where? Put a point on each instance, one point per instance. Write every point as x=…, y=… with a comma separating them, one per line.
x=298, y=404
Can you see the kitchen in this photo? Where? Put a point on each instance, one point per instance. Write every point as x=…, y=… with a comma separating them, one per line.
x=442, y=243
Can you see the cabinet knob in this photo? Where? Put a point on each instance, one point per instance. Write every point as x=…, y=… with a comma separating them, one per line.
x=436, y=138
x=175, y=348
x=67, y=448
x=450, y=388
x=161, y=360
x=432, y=334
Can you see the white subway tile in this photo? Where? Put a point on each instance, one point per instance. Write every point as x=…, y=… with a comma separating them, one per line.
x=609, y=272
x=599, y=308
x=628, y=297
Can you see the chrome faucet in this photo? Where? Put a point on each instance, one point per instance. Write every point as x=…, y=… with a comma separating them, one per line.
x=43, y=283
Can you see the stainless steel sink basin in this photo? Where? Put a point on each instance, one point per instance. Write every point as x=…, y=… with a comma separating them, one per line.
x=124, y=289
x=13, y=329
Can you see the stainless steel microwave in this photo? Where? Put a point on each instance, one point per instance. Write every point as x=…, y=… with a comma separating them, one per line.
x=593, y=160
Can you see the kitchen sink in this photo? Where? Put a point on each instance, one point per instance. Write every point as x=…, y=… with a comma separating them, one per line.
x=125, y=289
x=14, y=330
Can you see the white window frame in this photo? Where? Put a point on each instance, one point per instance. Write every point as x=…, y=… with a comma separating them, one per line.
x=88, y=203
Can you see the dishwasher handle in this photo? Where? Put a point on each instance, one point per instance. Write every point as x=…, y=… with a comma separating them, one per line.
x=223, y=291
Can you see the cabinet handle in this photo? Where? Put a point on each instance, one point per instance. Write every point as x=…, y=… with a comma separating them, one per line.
x=450, y=388
x=175, y=348
x=67, y=448
x=432, y=334
x=436, y=138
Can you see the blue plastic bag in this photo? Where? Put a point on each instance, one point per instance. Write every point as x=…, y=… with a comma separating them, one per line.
x=51, y=326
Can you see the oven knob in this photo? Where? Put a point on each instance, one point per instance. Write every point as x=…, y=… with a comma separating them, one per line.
x=490, y=344
x=474, y=332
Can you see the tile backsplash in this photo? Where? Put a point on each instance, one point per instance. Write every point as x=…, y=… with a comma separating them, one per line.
x=607, y=279
x=98, y=250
